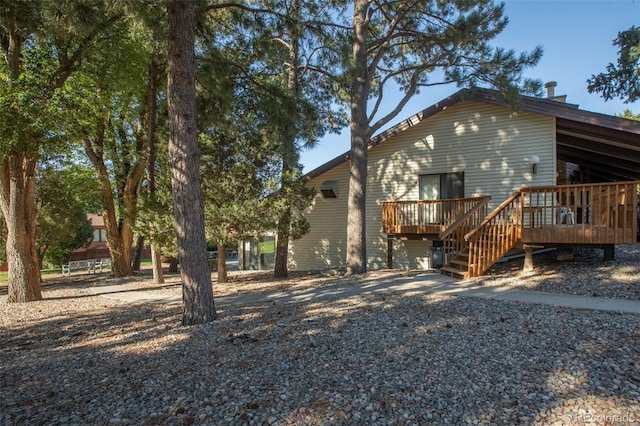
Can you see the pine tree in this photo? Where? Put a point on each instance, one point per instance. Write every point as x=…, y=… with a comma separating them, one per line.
x=197, y=292
x=621, y=80
x=404, y=46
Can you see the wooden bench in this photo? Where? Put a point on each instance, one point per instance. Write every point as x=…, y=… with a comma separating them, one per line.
x=75, y=265
x=100, y=263
x=91, y=266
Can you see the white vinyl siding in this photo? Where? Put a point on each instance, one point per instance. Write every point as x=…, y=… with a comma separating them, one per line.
x=486, y=142
x=324, y=247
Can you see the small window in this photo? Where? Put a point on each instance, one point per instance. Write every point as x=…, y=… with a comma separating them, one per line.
x=329, y=189
x=328, y=193
x=99, y=235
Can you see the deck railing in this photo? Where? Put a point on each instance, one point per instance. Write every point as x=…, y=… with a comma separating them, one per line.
x=605, y=213
x=424, y=216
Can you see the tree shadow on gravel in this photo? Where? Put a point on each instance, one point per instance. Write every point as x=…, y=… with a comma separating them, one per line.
x=360, y=359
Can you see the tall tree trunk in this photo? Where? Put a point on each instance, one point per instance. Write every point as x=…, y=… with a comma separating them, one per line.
x=17, y=196
x=281, y=269
x=289, y=159
x=173, y=264
x=222, y=264
x=119, y=232
x=156, y=263
x=17, y=199
x=360, y=134
x=40, y=252
x=156, y=255
x=137, y=257
x=119, y=240
x=17, y=180
x=197, y=291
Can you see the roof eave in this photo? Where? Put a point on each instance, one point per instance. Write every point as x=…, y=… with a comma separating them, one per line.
x=541, y=106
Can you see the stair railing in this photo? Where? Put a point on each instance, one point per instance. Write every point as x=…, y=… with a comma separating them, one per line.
x=453, y=235
x=495, y=235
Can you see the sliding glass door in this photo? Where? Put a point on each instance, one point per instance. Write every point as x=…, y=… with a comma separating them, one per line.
x=440, y=186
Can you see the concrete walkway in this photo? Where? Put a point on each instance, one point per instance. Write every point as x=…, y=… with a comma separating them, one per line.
x=423, y=283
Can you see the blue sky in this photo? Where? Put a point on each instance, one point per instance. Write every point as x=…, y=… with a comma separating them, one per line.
x=576, y=36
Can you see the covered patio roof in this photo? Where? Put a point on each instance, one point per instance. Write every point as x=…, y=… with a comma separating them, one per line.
x=606, y=148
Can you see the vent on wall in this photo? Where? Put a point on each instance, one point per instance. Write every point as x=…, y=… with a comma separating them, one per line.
x=329, y=189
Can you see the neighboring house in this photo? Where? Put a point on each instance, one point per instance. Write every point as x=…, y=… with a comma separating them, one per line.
x=459, y=152
x=98, y=248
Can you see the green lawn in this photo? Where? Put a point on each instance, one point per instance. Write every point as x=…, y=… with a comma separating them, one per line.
x=4, y=276
x=268, y=246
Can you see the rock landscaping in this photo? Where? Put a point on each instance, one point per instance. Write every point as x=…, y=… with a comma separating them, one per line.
x=372, y=359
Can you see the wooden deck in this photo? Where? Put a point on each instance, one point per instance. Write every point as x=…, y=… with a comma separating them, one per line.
x=588, y=214
x=569, y=214
x=579, y=235
x=424, y=217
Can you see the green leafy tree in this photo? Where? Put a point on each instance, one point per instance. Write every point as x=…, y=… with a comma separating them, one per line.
x=623, y=79
x=243, y=117
x=152, y=22
x=306, y=49
x=63, y=226
x=113, y=101
x=627, y=113
x=152, y=131
x=239, y=154
x=110, y=107
x=42, y=44
x=235, y=185
x=155, y=219
x=56, y=240
x=407, y=45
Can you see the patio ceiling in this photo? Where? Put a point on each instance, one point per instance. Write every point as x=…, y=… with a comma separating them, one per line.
x=603, y=153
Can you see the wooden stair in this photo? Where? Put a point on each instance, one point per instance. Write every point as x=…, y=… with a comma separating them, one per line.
x=454, y=243
x=458, y=267
x=487, y=242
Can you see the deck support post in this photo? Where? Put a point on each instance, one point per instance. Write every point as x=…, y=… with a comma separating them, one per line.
x=528, y=257
x=389, y=251
x=609, y=251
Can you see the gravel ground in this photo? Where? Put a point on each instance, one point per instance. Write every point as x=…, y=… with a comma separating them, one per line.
x=587, y=274
x=77, y=358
